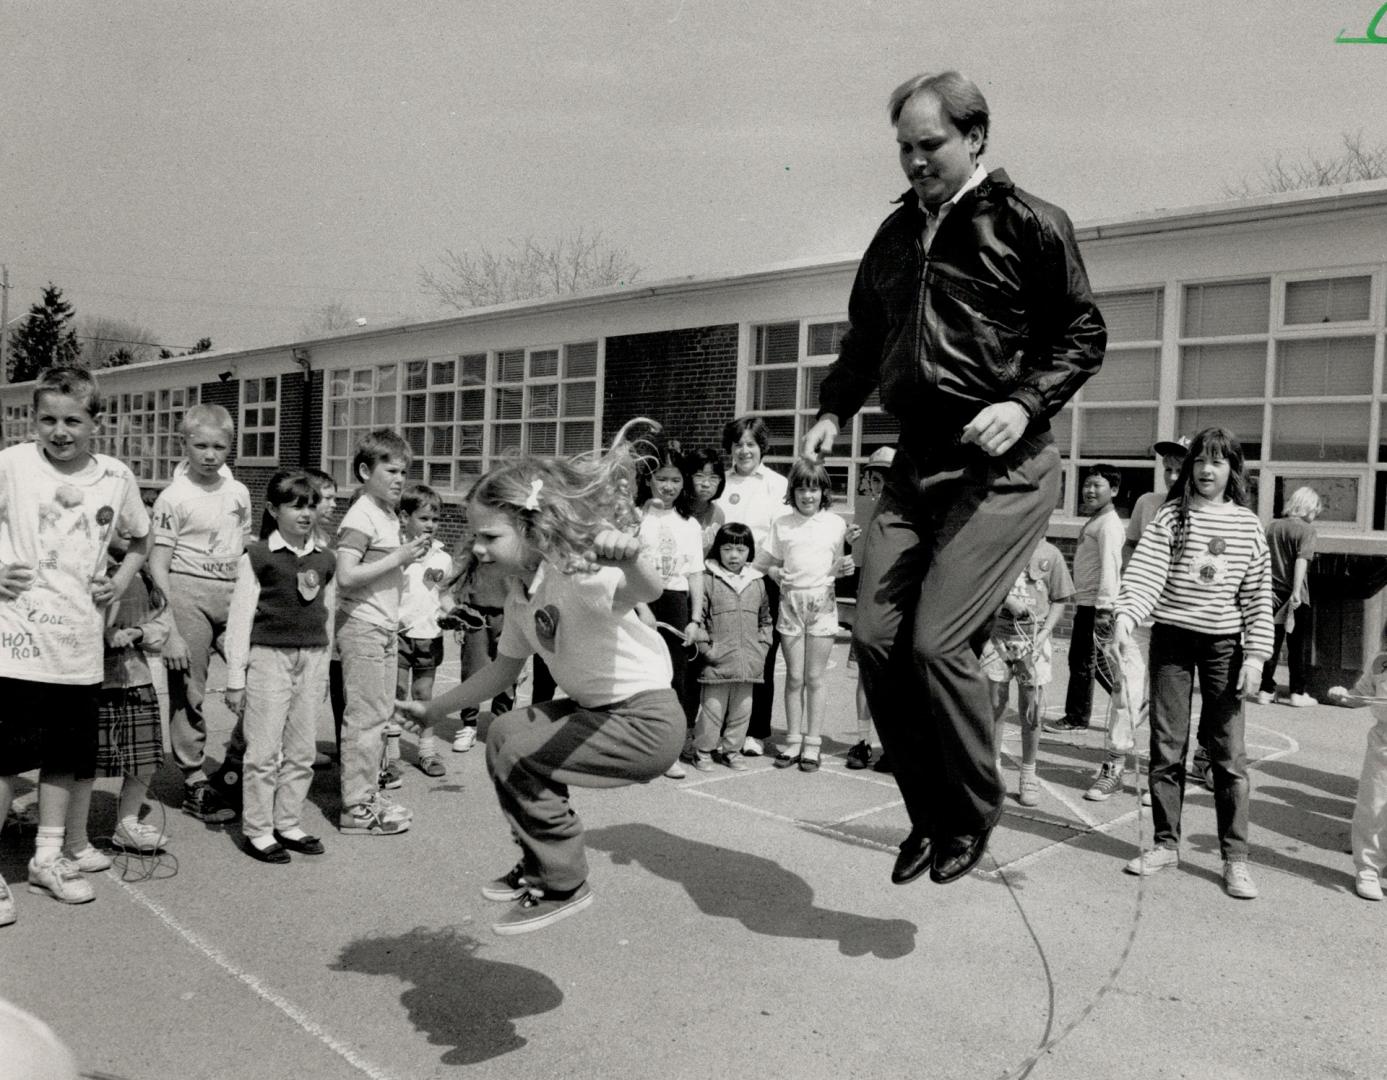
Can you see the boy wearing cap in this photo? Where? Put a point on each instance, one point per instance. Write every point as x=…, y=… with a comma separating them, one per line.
x=869, y=491
x=1172, y=454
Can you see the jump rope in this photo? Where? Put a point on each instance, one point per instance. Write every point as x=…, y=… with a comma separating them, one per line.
x=1122, y=672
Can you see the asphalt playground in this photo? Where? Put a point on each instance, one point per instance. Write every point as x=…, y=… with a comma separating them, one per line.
x=744, y=926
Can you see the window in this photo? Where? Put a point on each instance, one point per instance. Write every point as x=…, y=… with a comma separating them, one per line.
x=458, y=413
x=1289, y=367
x=16, y=427
x=1328, y=300
x=787, y=364
x=259, y=426
x=141, y=428
x=1223, y=382
x=1113, y=417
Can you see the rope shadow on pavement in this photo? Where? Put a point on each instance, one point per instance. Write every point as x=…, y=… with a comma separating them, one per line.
x=458, y=998
x=757, y=892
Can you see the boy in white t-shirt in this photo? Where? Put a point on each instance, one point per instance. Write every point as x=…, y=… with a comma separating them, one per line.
x=59, y=506
x=370, y=576
x=201, y=524
x=424, y=599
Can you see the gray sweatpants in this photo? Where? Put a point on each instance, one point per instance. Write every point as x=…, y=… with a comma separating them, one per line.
x=534, y=754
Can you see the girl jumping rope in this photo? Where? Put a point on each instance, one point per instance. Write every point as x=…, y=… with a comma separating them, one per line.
x=805, y=549
x=551, y=525
x=1203, y=571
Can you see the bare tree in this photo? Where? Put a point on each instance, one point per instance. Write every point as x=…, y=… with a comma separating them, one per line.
x=334, y=316
x=1355, y=160
x=112, y=342
x=528, y=269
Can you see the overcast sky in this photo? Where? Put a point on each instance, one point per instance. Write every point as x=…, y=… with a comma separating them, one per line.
x=228, y=168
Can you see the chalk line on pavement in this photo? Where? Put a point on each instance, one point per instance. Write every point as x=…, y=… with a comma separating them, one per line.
x=295, y=1014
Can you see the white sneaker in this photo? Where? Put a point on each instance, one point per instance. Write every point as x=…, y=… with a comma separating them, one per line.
x=1302, y=701
x=61, y=880
x=1150, y=862
x=1237, y=881
x=752, y=747
x=134, y=835
x=1265, y=697
x=676, y=771
x=7, y=915
x=1368, y=885
x=90, y=861
x=465, y=739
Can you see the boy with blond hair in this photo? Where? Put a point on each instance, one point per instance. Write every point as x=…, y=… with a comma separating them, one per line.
x=201, y=523
x=60, y=505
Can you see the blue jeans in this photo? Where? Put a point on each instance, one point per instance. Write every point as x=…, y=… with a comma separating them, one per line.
x=1176, y=655
x=369, y=658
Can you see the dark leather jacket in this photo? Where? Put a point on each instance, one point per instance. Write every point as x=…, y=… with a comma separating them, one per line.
x=1000, y=309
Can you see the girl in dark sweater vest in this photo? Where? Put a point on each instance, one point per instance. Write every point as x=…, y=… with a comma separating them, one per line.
x=277, y=649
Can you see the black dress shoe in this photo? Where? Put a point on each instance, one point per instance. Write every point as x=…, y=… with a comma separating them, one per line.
x=275, y=853
x=957, y=855
x=304, y=845
x=914, y=859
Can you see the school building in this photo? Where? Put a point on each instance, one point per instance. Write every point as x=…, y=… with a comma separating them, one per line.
x=1265, y=315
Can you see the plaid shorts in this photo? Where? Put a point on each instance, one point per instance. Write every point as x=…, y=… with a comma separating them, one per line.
x=128, y=737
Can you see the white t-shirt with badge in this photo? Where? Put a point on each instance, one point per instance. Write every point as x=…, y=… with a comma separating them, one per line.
x=206, y=528
x=595, y=655
x=60, y=524
x=422, y=601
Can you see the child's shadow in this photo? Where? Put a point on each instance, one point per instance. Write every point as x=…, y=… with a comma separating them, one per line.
x=457, y=999
x=760, y=894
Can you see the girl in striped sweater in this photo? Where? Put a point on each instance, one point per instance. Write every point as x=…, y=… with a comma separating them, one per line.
x=1202, y=571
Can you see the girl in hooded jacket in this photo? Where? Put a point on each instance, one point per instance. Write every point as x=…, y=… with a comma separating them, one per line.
x=736, y=625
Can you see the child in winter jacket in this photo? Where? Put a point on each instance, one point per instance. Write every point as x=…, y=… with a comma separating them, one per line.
x=736, y=626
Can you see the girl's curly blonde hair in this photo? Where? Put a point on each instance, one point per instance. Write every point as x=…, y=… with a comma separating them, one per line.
x=560, y=504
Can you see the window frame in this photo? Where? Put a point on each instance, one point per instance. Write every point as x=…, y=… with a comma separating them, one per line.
x=258, y=429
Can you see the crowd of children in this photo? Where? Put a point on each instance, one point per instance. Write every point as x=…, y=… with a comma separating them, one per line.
x=652, y=588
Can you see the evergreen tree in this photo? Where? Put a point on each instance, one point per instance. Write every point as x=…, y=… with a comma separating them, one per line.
x=45, y=339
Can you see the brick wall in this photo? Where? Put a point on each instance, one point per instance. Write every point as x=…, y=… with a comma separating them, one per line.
x=686, y=379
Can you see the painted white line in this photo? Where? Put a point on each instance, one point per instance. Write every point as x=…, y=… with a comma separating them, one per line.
x=826, y=830
x=287, y=1007
x=870, y=811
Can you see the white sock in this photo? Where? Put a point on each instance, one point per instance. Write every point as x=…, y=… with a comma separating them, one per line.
x=49, y=844
x=1028, y=769
x=296, y=833
x=428, y=745
x=263, y=843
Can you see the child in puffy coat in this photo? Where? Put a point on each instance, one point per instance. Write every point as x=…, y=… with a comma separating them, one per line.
x=735, y=624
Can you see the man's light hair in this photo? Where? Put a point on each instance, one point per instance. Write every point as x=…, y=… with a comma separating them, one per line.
x=959, y=97
x=207, y=418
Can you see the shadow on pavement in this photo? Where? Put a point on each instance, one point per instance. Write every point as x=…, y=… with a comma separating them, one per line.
x=759, y=893
x=457, y=998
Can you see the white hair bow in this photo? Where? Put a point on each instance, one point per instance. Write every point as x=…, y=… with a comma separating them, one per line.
x=532, y=499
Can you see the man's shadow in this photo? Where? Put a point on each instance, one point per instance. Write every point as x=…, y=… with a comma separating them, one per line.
x=457, y=998
x=760, y=894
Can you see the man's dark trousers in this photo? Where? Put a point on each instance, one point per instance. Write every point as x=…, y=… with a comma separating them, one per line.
x=952, y=531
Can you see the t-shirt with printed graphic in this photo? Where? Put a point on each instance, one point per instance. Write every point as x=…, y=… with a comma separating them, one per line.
x=60, y=524
x=373, y=533
x=595, y=655
x=421, y=601
x=207, y=528
x=1044, y=583
x=676, y=543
